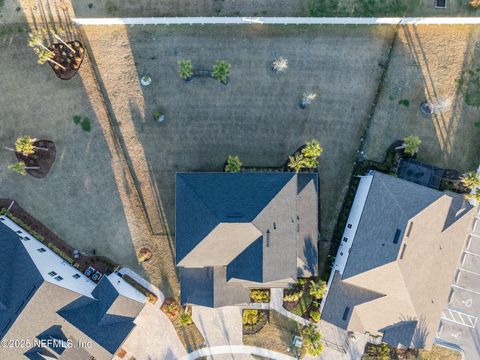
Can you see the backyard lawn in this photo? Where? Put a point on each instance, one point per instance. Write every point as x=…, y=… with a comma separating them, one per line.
x=256, y=116
x=422, y=68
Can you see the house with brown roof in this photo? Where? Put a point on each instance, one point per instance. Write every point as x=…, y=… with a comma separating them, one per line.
x=396, y=261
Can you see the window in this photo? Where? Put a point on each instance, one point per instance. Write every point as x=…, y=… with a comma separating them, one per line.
x=397, y=236
x=19, y=232
x=349, y=226
x=52, y=273
x=409, y=229
x=26, y=238
x=58, y=278
x=41, y=250
x=345, y=314
x=76, y=276
x=345, y=239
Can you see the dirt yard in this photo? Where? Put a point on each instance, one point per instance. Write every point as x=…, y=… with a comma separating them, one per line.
x=87, y=198
x=255, y=116
x=426, y=65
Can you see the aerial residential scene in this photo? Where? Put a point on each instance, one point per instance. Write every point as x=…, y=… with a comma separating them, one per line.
x=239, y=179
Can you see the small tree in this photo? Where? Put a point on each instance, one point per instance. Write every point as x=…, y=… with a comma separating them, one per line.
x=312, y=340
x=185, y=69
x=296, y=162
x=311, y=152
x=221, y=70
x=473, y=196
x=411, y=144
x=21, y=168
x=471, y=180
x=307, y=99
x=24, y=145
x=280, y=64
x=317, y=290
x=233, y=164
x=378, y=352
x=44, y=53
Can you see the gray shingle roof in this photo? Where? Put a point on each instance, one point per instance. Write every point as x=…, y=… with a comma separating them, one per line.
x=404, y=232
x=33, y=308
x=283, y=207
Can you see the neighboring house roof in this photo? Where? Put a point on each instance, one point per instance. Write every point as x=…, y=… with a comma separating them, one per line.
x=401, y=262
x=37, y=309
x=247, y=228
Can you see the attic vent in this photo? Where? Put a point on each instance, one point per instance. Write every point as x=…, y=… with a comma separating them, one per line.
x=409, y=229
x=403, y=251
x=235, y=215
x=345, y=314
x=397, y=236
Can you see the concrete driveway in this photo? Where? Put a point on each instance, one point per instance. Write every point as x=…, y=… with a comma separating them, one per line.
x=220, y=326
x=154, y=337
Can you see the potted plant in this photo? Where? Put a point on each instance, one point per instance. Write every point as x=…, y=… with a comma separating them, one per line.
x=221, y=70
x=159, y=116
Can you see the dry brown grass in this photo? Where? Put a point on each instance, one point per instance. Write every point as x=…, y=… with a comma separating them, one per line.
x=474, y=4
x=426, y=64
x=440, y=353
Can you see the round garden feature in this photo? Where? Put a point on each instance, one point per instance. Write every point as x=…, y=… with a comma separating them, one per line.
x=40, y=162
x=67, y=58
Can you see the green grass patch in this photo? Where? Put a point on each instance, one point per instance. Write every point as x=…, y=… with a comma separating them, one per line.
x=364, y=8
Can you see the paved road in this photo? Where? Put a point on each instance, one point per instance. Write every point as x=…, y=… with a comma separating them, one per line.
x=279, y=21
x=236, y=349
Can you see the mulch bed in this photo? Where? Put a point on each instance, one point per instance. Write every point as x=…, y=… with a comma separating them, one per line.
x=71, y=61
x=100, y=263
x=262, y=321
x=43, y=159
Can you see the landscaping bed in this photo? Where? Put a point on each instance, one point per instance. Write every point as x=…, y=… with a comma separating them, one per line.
x=191, y=338
x=260, y=295
x=151, y=296
x=41, y=161
x=253, y=320
x=304, y=297
x=60, y=247
x=70, y=60
x=384, y=351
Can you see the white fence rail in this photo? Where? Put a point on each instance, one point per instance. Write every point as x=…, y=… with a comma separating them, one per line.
x=279, y=21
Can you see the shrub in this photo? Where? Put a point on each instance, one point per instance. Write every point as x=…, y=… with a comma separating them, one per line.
x=221, y=70
x=144, y=254
x=185, y=69
x=411, y=144
x=312, y=340
x=317, y=289
x=377, y=352
x=404, y=102
x=18, y=167
x=260, y=295
x=77, y=119
x=292, y=295
x=185, y=319
x=233, y=164
x=86, y=125
x=280, y=64
x=250, y=317
x=308, y=158
x=315, y=315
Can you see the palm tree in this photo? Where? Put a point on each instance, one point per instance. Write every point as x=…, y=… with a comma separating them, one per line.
x=473, y=196
x=280, y=64
x=221, y=70
x=185, y=69
x=44, y=53
x=21, y=168
x=307, y=99
x=311, y=152
x=24, y=145
x=312, y=340
x=411, y=144
x=471, y=180
x=233, y=164
x=296, y=162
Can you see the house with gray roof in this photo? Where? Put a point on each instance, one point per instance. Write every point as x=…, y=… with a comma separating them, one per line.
x=54, y=310
x=237, y=231
x=396, y=261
